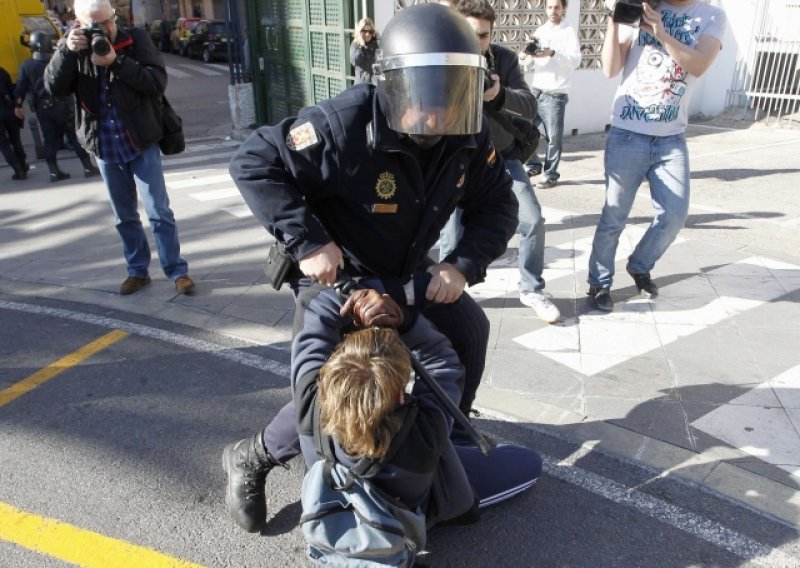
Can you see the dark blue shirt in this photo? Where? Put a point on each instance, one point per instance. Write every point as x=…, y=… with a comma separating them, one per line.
x=115, y=147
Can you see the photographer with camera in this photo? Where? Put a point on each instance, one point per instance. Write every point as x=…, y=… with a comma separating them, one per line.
x=510, y=109
x=660, y=54
x=118, y=77
x=549, y=62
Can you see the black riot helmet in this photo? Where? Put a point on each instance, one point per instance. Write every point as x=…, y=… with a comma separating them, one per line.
x=430, y=73
x=41, y=45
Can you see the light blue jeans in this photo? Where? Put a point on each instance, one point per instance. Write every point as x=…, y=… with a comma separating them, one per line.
x=145, y=175
x=552, y=107
x=531, y=230
x=630, y=158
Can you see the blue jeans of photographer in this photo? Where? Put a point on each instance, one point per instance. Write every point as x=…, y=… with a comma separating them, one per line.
x=531, y=230
x=630, y=158
x=144, y=175
x=552, y=107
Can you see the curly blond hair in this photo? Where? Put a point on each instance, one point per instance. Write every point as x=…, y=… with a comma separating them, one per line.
x=359, y=387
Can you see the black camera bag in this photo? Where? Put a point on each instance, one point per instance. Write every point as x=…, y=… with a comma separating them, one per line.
x=172, y=140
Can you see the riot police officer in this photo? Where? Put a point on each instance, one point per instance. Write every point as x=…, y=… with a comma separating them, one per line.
x=53, y=112
x=365, y=181
x=10, y=142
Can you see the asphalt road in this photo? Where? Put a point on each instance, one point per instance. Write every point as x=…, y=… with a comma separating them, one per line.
x=126, y=444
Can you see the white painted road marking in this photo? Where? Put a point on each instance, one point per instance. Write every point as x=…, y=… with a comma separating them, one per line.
x=200, y=181
x=177, y=73
x=203, y=70
x=214, y=194
x=228, y=353
x=763, y=422
x=598, y=342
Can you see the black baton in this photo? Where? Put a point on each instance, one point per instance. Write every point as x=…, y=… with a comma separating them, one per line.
x=345, y=287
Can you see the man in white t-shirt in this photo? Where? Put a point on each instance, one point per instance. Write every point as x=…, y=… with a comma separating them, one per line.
x=676, y=42
x=549, y=73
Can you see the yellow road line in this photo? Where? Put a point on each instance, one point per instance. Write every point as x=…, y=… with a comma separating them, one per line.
x=78, y=546
x=43, y=375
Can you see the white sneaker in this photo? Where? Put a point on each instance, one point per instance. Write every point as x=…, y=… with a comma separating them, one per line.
x=541, y=303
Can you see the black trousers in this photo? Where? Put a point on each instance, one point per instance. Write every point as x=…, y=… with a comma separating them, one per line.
x=466, y=326
x=10, y=141
x=55, y=122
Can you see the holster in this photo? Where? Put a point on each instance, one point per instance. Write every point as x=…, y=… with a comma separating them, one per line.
x=279, y=266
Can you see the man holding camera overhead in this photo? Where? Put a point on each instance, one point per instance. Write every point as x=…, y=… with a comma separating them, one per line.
x=660, y=48
x=551, y=60
x=118, y=77
x=510, y=108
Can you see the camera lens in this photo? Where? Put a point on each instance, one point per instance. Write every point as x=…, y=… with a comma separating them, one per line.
x=100, y=45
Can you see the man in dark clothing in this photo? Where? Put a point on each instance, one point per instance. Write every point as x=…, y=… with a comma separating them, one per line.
x=510, y=106
x=118, y=77
x=10, y=141
x=365, y=182
x=53, y=112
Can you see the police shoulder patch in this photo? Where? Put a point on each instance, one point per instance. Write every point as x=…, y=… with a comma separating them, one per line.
x=302, y=136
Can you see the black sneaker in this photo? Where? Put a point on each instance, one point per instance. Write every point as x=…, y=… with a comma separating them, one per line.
x=647, y=288
x=600, y=299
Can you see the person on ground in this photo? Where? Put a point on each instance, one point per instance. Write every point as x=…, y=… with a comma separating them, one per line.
x=363, y=183
x=52, y=113
x=549, y=72
x=345, y=354
x=508, y=96
x=119, y=110
x=676, y=42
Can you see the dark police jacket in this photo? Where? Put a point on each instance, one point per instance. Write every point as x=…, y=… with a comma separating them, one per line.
x=426, y=471
x=136, y=83
x=338, y=173
x=515, y=98
x=31, y=80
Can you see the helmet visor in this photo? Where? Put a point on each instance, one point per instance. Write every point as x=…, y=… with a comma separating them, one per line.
x=433, y=100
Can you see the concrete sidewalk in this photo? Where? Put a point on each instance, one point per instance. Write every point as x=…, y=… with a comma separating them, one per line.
x=702, y=383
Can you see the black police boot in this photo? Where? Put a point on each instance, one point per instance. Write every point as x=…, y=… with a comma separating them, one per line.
x=247, y=463
x=89, y=169
x=55, y=173
x=19, y=174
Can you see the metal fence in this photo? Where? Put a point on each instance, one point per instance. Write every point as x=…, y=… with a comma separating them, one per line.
x=766, y=84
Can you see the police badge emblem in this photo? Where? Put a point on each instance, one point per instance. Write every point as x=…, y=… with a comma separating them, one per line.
x=302, y=136
x=386, y=186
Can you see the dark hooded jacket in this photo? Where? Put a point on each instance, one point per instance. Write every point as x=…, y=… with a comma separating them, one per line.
x=426, y=471
x=515, y=98
x=137, y=81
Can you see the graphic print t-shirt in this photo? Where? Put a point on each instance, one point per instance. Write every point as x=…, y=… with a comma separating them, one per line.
x=653, y=97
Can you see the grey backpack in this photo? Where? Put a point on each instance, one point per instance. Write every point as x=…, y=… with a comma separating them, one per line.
x=348, y=520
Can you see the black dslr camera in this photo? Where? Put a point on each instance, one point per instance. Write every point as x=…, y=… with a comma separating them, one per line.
x=533, y=47
x=630, y=12
x=98, y=40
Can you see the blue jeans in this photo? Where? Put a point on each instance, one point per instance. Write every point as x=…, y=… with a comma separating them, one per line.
x=629, y=159
x=531, y=230
x=143, y=174
x=552, y=107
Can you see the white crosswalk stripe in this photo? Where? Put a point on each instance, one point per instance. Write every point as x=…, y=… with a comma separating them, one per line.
x=203, y=69
x=177, y=73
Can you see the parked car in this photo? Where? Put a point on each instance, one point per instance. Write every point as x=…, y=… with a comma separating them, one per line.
x=208, y=40
x=179, y=36
x=160, y=31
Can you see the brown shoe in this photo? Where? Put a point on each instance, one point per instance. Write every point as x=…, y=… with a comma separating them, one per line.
x=133, y=284
x=184, y=284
